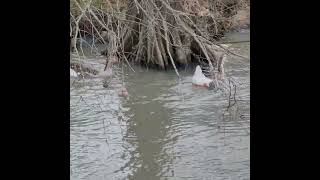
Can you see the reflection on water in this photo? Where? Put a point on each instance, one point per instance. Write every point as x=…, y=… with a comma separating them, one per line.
x=166, y=130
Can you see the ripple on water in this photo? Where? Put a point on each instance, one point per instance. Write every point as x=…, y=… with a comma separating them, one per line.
x=167, y=130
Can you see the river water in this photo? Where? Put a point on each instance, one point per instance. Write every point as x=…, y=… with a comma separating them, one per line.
x=167, y=129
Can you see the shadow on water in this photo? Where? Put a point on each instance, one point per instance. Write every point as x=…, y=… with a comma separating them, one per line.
x=149, y=127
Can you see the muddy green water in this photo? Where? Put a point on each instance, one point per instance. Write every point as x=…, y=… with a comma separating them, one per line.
x=166, y=130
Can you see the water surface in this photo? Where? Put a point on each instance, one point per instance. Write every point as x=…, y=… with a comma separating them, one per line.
x=166, y=130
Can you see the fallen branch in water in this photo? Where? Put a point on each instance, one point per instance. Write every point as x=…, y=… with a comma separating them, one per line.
x=233, y=42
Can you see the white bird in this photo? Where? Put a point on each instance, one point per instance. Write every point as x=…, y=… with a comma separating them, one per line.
x=73, y=73
x=199, y=79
